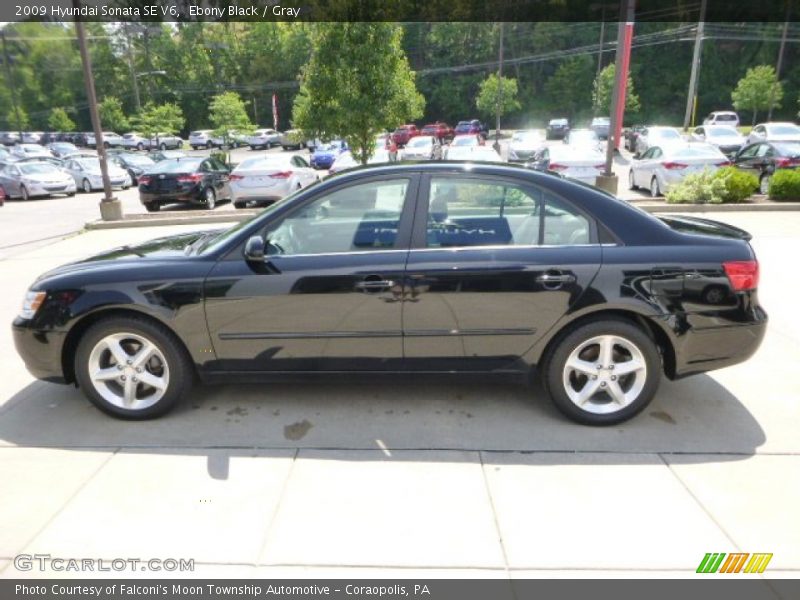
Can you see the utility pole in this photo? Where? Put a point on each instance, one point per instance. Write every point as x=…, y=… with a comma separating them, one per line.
x=602, y=38
x=691, y=100
x=131, y=66
x=110, y=207
x=499, y=90
x=780, y=57
x=12, y=84
x=608, y=181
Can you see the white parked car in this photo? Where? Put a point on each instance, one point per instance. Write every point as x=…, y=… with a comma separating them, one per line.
x=110, y=140
x=524, y=144
x=268, y=178
x=264, y=138
x=134, y=141
x=200, y=139
x=582, y=137
x=656, y=136
x=32, y=137
x=235, y=140
x=422, y=147
x=722, y=117
x=663, y=166
x=30, y=179
x=346, y=160
x=459, y=143
x=86, y=173
x=727, y=139
x=30, y=151
x=774, y=132
x=583, y=163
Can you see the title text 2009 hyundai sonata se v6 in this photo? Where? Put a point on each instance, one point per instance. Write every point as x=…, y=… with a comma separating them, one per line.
x=438, y=268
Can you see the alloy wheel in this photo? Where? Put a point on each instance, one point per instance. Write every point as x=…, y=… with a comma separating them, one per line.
x=129, y=371
x=763, y=184
x=604, y=374
x=87, y=186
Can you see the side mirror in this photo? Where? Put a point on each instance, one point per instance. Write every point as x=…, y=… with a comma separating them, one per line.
x=254, y=249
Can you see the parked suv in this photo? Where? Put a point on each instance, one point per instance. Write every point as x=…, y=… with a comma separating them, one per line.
x=404, y=133
x=441, y=131
x=473, y=126
x=722, y=117
x=200, y=139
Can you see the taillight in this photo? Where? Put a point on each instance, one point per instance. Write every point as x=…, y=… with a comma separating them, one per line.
x=743, y=274
x=724, y=163
x=281, y=175
x=782, y=163
x=234, y=177
x=674, y=165
x=557, y=167
x=190, y=178
x=144, y=179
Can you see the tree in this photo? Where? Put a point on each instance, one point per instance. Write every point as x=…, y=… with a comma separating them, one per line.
x=357, y=84
x=603, y=87
x=758, y=90
x=497, y=95
x=59, y=120
x=569, y=86
x=156, y=120
x=112, y=116
x=18, y=119
x=228, y=114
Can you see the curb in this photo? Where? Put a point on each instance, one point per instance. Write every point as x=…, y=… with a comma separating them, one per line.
x=201, y=217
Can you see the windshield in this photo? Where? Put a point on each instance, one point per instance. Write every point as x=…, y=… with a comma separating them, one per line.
x=177, y=165
x=89, y=164
x=784, y=130
x=38, y=169
x=466, y=140
x=667, y=134
x=135, y=159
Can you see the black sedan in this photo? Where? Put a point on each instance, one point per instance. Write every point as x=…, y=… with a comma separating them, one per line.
x=192, y=179
x=456, y=268
x=762, y=159
x=557, y=129
x=134, y=164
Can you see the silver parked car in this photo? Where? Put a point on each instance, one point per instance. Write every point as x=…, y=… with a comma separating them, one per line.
x=656, y=136
x=86, y=173
x=727, y=139
x=165, y=141
x=200, y=139
x=30, y=151
x=722, y=117
x=29, y=179
x=268, y=178
x=583, y=163
x=264, y=138
x=110, y=140
x=524, y=144
x=774, y=132
x=663, y=166
x=423, y=147
x=582, y=137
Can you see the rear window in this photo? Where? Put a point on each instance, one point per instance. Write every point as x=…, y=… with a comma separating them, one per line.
x=177, y=165
x=726, y=117
x=784, y=130
x=792, y=150
x=696, y=153
x=261, y=162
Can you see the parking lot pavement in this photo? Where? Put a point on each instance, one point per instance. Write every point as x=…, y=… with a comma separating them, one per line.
x=438, y=478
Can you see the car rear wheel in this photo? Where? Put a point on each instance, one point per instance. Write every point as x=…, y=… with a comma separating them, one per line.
x=654, y=190
x=24, y=193
x=603, y=373
x=162, y=147
x=152, y=206
x=140, y=146
x=239, y=204
x=209, y=145
x=86, y=186
x=210, y=198
x=132, y=368
x=763, y=184
x=631, y=183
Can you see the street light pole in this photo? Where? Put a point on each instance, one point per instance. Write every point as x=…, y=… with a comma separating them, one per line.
x=499, y=90
x=12, y=83
x=780, y=58
x=110, y=207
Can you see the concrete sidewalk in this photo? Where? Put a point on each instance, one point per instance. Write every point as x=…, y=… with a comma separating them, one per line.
x=409, y=479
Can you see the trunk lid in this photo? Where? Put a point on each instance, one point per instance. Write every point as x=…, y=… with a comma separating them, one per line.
x=701, y=226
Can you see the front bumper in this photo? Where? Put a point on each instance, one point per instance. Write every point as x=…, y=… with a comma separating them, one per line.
x=46, y=189
x=40, y=350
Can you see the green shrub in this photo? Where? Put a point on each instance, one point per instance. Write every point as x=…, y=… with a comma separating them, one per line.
x=738, y=185
x=726, y=185
x=698, y=188
x=220, y=156
x=785, y=185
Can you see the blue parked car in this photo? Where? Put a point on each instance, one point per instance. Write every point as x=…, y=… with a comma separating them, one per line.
x=324, y=155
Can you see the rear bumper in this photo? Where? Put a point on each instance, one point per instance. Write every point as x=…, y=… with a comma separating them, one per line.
x=40, y=351
x=713, y=348
x=192, y=196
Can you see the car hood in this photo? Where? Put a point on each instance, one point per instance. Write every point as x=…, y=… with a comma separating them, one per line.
x=164, y=248
x=45, y=177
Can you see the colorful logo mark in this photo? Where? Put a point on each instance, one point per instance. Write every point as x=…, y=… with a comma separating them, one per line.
x=734, y=563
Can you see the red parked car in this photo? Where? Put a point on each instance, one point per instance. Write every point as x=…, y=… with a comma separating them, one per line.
x=2, y=196
x=404, y=133
x=441, y=131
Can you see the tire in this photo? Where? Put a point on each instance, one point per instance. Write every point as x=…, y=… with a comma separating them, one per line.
x=167, y=364
x=106, y=145
x=210, y=198
x=152, y=207
x=763, y=184
x=654, y=191
x=23, y=191
x=162, y=147
x=209, y=145
x=239, y=205
x=140, y=146
x=582, y=346
x=631, y=184
x=86, y=186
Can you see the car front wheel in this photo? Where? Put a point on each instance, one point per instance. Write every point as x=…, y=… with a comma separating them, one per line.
x=631, y=182
x=603, y=373
x=87, y=186
x=132, y=368
x=654, y=190
x=763, y=184
x=210, y=199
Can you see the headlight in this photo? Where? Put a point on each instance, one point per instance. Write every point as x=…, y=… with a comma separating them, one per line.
x=33, y=301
